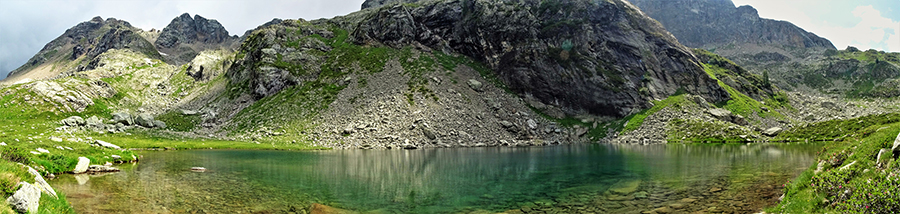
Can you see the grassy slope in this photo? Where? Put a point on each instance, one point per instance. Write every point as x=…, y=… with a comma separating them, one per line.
x=861, y=188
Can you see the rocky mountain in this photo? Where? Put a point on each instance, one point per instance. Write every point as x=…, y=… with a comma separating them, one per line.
x=611, y=58
x=77, y=48
x=718, y=23
x=429, y=74
x=185, y=37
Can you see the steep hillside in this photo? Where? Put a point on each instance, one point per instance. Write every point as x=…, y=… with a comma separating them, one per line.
x=76, y=49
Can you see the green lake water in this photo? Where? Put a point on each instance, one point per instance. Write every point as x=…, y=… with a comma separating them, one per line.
x=599, y=178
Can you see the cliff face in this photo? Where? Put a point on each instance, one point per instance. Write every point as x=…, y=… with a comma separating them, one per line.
x=585, y=57
x=81, y=44
x=704, y=23
x=185, y=37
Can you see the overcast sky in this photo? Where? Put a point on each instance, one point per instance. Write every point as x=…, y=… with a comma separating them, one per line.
x=27, y=25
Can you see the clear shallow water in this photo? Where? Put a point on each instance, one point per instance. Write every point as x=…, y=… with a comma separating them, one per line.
x=568, y=178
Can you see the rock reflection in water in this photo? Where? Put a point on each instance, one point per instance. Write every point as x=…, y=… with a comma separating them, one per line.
x=572, y=178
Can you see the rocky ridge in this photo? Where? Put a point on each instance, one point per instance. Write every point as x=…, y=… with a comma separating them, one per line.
x=185, y=37
x=79, y=47
x=718, y=23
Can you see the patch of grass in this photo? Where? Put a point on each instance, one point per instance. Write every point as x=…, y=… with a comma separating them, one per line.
x=860, y=188
x=740, y=103
x=50, y=205
x=638, y=119
x=178, y=122
x=837, y=129
x=157, y=141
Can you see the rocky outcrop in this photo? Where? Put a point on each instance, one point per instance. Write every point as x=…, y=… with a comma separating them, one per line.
x=186, y=30
x=185, y=37
x=706, y=23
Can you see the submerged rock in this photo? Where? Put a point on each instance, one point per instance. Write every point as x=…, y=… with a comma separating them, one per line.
x=102, y=168
x=625, y=187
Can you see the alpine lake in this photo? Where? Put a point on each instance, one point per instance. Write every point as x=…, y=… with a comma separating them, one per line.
x=579, y=178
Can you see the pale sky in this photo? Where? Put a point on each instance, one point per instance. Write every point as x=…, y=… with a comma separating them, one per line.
x=27, y=25
x=865, y=24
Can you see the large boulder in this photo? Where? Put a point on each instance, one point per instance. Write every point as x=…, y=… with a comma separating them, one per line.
x=123, y=118
x=26, y=199
x=73, y=121
x=145, y=120
x=726, y=115
x=82, y=165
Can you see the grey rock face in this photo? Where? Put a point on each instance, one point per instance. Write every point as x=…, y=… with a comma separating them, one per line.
x=184, y=29
x=26, y=199
x=701, y=22
x=123, y=118
x=614, y=68
x=145, y=120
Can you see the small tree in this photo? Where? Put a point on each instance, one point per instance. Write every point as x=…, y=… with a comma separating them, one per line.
x=766, y=78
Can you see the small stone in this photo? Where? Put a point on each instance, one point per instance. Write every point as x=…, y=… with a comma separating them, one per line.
x=56, y=139
x=198, y=169
x=105, y=144
x=42, y=150
x=36, y=153
x=531, y=124
x=115, y=157
x=475, y=85
x=506, y=124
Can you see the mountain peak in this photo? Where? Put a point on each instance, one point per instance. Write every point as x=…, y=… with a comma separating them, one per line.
x=702, y=23
x=187, y=30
